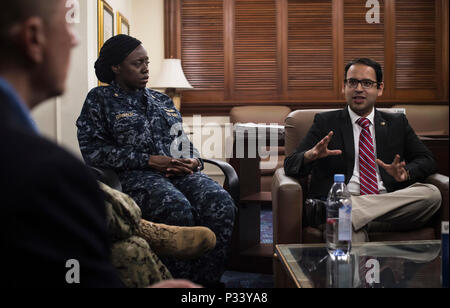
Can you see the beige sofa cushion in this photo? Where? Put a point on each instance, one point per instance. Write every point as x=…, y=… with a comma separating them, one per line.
x=427, y=120
x=259, y=114
x=297, y=126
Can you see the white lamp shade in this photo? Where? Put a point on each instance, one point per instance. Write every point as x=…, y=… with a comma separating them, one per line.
x=171, y=76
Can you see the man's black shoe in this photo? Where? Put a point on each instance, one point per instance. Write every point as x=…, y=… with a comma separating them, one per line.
x=315, y=212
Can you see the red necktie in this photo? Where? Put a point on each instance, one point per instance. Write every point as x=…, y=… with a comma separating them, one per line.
x=367, y=165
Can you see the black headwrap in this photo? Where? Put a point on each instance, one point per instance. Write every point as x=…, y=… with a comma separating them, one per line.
x=113, y=52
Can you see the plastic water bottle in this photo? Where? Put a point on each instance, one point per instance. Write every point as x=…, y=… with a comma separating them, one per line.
x=339, y=218
x=340, y=270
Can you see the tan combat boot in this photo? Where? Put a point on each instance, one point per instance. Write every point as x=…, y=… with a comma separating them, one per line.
x=178, y=242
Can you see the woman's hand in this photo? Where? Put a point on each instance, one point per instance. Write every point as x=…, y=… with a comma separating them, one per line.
x=190, y=163
x=173, y=167
x=182, y=165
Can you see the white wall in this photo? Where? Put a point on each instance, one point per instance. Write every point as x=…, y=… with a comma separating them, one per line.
x=80, y=77
x=148, y=27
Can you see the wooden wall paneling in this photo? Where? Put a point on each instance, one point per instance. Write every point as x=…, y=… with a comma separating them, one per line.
x=389, y=51
x=416, y=50
x=202, y=97
x=282, y=48
x=293, y=52
x=255, y=49
x=229, y=48
x=172, y=29
x=444, y=57
x=202, y=49
x=179, y=27
x=362, y=39
x=438, y=38
x=171, y=34
x=338, y=47
x=310, y=49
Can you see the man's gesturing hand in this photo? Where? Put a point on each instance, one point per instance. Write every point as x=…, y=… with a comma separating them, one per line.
x=396, y=169
x=320, y=150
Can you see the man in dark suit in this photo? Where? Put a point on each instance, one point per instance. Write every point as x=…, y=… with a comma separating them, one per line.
x=53, y=214
x=380, y=155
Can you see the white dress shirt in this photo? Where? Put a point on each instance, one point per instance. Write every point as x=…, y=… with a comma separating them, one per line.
x=353, y=184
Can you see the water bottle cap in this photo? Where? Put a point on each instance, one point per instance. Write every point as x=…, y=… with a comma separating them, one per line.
x=339, y=178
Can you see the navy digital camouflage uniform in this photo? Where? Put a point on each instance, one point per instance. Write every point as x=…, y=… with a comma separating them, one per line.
x=120, y=130
x=136, y=263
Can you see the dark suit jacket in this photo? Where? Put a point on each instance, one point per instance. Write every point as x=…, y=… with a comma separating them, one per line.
x=52, y=210
x=393, y=135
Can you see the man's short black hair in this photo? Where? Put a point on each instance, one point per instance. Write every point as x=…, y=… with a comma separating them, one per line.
x=369, y=62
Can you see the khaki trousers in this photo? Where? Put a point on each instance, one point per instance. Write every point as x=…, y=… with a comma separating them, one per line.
x=402, y=210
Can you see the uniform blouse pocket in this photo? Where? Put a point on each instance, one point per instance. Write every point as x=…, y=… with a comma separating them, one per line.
x=131, y=129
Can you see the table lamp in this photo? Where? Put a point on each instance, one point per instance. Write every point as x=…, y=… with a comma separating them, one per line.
x=172, y=79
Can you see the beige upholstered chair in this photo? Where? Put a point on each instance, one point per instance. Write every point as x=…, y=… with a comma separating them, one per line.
x=427, y=120
x=288, y=196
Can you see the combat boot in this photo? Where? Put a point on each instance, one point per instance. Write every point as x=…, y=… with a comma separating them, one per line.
x=178, y=242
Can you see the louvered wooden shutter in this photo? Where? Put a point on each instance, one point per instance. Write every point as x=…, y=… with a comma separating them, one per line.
x=202, y=46
x=310, y=45
x=415, y=44
x=293, y=52
x=255, y=47
x=362, y=39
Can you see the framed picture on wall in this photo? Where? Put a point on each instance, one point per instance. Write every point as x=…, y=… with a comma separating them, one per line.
x=123, y=25
x=105, y=23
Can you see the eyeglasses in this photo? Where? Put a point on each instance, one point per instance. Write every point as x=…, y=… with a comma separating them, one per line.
x=365, y=83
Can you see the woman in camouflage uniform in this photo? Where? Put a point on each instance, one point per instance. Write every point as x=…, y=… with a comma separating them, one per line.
x=138, y=133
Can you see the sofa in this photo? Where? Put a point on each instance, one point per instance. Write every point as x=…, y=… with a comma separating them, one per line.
x=427, y=120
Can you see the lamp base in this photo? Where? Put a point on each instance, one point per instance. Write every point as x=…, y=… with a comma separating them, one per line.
x=177, y=101
x=175, y=96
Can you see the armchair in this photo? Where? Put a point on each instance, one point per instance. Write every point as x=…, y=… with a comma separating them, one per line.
x=231, y=184
x=288, y=195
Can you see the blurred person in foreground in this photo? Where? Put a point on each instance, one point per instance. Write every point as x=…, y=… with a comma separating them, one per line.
x=52, y=208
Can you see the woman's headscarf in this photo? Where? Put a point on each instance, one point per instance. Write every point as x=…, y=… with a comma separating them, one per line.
x=113, y=52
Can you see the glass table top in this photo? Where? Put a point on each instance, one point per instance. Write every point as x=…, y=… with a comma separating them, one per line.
x=413, y=264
